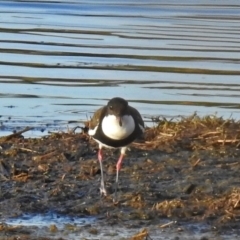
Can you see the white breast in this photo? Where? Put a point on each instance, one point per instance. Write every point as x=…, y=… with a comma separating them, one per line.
x=112, y=129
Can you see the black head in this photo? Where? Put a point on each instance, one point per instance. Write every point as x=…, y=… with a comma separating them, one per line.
x=118, y=107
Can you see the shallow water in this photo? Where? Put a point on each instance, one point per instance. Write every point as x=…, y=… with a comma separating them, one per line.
x=61, y=60
x=46, y=220
x=56, y=225
x=75, y=227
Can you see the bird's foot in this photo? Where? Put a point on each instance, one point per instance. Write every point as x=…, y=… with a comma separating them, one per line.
x=115, y=199
x=103, y=191
x=115, y=195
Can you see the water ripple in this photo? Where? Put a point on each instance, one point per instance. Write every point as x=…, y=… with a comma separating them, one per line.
x=69, y=57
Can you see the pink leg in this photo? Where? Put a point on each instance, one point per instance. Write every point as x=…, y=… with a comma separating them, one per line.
x=118, y=167
x=100, y=155
x=119, y=164
x=102, y=186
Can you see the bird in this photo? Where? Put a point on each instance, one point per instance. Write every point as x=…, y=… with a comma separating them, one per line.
x=115, y=125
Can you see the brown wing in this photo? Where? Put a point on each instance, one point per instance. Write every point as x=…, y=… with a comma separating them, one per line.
x=137, y=115
x=96, y=116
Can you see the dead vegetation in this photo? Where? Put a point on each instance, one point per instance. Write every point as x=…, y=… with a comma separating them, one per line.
x=186, y=169
x=193, y=132
x=223, y=208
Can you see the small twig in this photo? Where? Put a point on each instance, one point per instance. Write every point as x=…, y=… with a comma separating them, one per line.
x=166, y=134
x=63, y=176
x=235, y=205
x=167, y=224
x=45, y=156
x=28, y=150
x=16, y=134
x=228, y=140
x=209, y=133
x=233, y=164
x=210, y=138
x=228, y=212
x=196, y=163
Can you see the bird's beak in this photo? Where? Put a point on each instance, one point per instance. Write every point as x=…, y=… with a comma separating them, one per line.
x=119, y=119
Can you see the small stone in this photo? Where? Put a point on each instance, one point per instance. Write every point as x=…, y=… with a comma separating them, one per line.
x=53, y=228
x=93, y=231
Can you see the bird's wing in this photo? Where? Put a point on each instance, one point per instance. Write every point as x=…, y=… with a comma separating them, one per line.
x=137, y=115
x=96, y=116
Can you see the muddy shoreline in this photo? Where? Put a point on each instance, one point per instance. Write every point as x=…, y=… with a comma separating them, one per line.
x=183, y=174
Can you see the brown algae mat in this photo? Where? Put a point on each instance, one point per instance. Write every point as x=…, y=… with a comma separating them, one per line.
x=185, y=171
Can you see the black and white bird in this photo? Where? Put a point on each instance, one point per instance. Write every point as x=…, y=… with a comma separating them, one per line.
x=115, y=125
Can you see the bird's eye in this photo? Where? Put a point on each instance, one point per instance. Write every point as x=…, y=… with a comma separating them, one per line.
x=111, y=107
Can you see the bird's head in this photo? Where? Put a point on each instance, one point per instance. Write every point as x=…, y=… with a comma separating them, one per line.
x=117, y=107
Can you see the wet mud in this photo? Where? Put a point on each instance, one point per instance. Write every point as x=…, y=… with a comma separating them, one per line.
x=182, y=178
